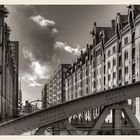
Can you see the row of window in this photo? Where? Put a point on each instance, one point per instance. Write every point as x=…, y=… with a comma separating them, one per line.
x=71, y=96
x=109, y=63
x=114, y=73
x=114, y=48
x=109, y=76
x=125, y=57
x=109, y=51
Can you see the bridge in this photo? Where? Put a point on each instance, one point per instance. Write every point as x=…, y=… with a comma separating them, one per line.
x=57, y=116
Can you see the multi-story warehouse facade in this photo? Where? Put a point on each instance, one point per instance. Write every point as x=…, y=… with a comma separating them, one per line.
x=54, y=90
x=112, y=60
x=8, y=71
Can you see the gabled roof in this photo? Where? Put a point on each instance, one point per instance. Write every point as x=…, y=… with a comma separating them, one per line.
x=124, y=20
x=108, y=33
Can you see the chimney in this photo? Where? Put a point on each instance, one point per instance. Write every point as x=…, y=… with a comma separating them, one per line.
x=113, y=24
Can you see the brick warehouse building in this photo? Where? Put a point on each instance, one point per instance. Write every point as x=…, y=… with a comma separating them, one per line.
x=8, y=71
x=54, y=90
x=113, y=59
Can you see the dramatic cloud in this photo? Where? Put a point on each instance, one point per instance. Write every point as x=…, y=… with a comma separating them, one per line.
x=37, y=71
x=42, y=31
x=69, y=49
x=42, y=21
x=40, y=53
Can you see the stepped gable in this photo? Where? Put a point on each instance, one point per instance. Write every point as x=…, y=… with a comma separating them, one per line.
x=108, y=32
x=135, y=9
x=124, y=20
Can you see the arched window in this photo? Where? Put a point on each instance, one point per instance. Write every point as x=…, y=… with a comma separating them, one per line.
x=114, y=62
x=108, y=64
x=126, y=40
x=108, y=53
x=114, y=49
x=126, y=55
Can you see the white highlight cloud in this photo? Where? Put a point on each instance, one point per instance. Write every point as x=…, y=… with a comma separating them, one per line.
x=44, y=22
x=75, y=51
x=38, y=71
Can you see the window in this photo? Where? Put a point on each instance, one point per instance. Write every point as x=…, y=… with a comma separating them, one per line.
x=87, y=90
x=94, y=84
x=133, y=53
x=133, y=81
x=108, y=65
x=126, y=55
x=114, y=62
x=81, y=75
x=125, y=40
x=114, y=75
x=108, y=53
x=126, y=82
x=104, y=68
x=94, y=74
x=114, y=49
x=104, y=80
x=133, y=37
x=133, y=69
x=120, y=74
x=126, y=70
x=119, y=60
x=94, y=64
x=109, y=77
x=87, y=81
x=119, y=46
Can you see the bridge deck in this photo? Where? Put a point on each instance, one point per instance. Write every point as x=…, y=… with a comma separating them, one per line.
x=64, y=110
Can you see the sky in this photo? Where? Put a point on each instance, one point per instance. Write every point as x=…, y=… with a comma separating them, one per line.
x=50, y=35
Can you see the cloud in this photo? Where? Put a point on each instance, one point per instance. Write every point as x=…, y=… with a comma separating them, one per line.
x=31, y=80
x=69, y=49
x=36, y=72
x=40, y=53
x=42, y=21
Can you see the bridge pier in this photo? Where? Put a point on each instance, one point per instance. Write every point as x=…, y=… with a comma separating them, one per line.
x=107, y=99
x=117, y=110
x=116, y=121
x=97, y=125
x=131, y=117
